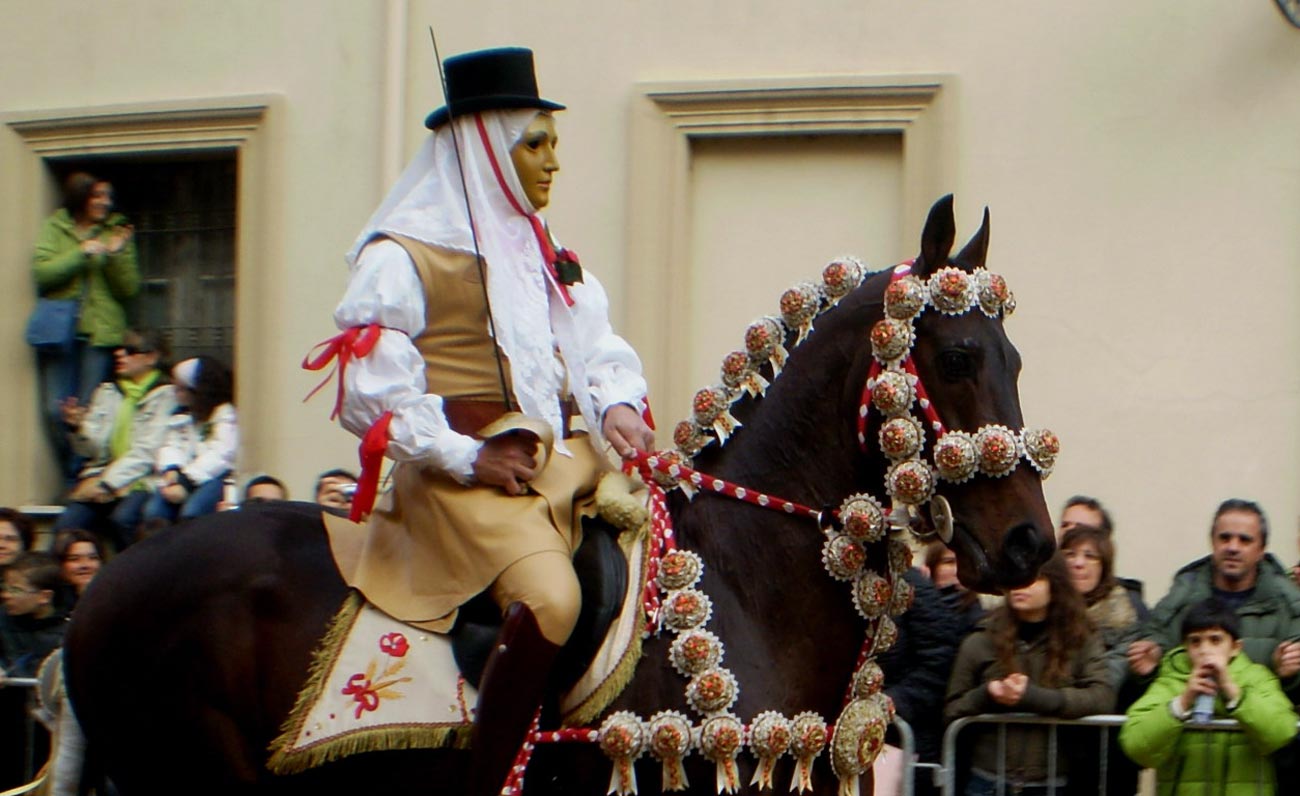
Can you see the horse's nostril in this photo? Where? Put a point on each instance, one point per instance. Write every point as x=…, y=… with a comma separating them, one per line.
x=1024, y=549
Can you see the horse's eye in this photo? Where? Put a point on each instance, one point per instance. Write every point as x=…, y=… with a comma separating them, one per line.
x=956, y=363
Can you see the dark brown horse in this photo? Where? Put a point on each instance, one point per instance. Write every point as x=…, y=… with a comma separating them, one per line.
x=187, y=653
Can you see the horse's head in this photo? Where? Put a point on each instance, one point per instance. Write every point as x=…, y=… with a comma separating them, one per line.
x=1001, y=528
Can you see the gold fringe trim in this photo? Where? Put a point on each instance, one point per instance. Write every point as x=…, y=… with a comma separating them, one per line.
x=287, y=760
x=373, y=739
x=590, y=708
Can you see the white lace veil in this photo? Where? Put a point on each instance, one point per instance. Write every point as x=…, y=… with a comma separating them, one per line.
x=428, y=204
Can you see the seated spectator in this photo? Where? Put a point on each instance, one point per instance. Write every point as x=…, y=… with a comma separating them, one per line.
x=31, y=626
x=201, y=444
x=917, y=667
x=119, y=435
x=335, y=488
x=1035, y=654
x=1084, y=510
x=941, y=561
x=17, y=531
x=1210, y=664
x=80, y=556
x=264, y=488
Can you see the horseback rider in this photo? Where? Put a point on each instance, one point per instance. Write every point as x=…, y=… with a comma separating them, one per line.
x=479, y=357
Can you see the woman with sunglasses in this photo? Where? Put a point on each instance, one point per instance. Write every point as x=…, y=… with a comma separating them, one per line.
x=119, y=435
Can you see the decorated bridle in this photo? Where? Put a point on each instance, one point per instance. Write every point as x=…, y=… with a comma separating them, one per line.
x=673, y=601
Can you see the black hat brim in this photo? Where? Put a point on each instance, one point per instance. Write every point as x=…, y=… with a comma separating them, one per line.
x=475, y=104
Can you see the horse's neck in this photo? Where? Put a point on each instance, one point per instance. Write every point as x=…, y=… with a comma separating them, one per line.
x=798, y=443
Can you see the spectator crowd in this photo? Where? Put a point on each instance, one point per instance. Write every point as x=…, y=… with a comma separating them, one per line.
x=1223, y=643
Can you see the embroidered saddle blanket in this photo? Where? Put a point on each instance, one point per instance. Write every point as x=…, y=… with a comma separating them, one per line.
x=377, y=684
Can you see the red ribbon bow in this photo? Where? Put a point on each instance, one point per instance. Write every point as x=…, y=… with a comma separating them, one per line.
x=362, y=692
x=354, y=342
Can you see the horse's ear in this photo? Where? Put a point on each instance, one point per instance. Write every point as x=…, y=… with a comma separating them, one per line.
x=973, y=254
x=936, y=238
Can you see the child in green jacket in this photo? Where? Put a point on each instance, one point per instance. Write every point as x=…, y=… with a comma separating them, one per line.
x=1162, y=731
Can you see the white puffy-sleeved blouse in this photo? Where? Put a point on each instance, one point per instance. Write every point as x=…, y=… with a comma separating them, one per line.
x=386, y=290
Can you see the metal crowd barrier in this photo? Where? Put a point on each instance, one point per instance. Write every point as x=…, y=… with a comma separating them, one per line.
x=30, y=764
x=948, y=769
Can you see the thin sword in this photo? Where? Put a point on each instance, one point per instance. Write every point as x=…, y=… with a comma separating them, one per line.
x=473, y=228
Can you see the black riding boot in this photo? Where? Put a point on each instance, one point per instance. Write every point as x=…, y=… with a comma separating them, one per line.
x=509, y=694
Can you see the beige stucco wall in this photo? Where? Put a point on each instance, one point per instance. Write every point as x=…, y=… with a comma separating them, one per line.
x=1139, y=160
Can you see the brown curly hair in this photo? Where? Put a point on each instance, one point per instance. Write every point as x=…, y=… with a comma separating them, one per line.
x=1067, y=626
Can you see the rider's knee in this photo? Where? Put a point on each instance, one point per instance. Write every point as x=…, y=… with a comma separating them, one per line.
x=557, y=609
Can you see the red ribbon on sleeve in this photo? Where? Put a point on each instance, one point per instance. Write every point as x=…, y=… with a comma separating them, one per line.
x=357, y=342
x=373, y=446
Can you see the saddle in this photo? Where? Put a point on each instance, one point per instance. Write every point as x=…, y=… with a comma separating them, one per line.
x=603, y=577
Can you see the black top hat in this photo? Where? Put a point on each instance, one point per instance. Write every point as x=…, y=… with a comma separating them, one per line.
x=489, y=80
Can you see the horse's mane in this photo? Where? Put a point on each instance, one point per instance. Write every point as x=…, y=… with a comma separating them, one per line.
x=778, y=409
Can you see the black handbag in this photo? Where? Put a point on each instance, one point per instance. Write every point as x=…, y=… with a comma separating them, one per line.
x=52, y=327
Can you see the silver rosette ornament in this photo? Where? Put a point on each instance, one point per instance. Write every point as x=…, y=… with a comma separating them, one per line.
x=695, y=651
x=679, y=569
x=994, y=295
x=868, y=679
x=711, y=408
x=901, y=437
x=901, y=599
x=951, y=291
x=1041, y=448
x=892, y=393
x=799, y=305
x=770, y=736
x=739, y=374
x=690, y=438
x=904, y=298
x=666, y=469
x=910, y=482
x=686, y=609
x=999, y=450
x=886, y=635
x=871, y=594
x=859, y=737
x=721, y=739
x=808, y=741
x=622, y=739
x=956, y=457
x=843, y=556
x=900, y=557
x=765, y=340
x=713, y=691
x=891, y=340
x=862, y=517
x=670, y=741
x=841, y=277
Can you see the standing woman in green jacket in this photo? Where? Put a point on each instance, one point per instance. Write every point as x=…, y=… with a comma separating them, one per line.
x=85, y=251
